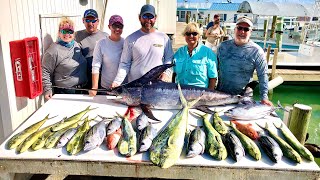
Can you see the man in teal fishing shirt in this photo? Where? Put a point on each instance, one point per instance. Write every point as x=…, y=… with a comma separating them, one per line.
x=238, y=58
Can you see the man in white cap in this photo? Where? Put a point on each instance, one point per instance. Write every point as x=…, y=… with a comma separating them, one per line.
x=87, y=38
x=238, y=58
x=144, y=49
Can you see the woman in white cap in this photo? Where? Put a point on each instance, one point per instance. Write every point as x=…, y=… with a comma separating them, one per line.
x=63, y=64
x=106, y=55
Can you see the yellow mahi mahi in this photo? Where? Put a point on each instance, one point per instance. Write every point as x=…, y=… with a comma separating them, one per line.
x=167, y=145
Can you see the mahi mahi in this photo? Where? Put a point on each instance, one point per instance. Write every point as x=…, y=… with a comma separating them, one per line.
x=167, y=145
x=17, y=139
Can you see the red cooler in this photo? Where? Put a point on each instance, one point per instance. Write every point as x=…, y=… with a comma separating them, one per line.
x=26, y=67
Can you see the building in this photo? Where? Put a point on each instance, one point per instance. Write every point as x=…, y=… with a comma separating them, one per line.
x=203, y=11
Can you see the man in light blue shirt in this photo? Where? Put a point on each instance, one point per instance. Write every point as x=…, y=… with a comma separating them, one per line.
x=238, y=58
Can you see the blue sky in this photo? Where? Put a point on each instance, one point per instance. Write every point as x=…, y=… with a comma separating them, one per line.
x=239, y=1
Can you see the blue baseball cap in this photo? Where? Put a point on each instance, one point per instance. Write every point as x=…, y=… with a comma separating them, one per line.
x=90, y=12
x=147, y=9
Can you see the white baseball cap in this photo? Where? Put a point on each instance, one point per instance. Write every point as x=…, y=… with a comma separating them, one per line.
x=245, y=19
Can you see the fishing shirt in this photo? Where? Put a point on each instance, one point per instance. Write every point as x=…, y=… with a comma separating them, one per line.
x=142, y=52
x=197, y=69
x=106, y=56
x=236, y=67
x=64, y=67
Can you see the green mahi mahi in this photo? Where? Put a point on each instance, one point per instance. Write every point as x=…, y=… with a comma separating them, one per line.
x=167, y=145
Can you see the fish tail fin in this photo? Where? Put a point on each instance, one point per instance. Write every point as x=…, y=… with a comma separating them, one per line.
x=281, y=107
x=278, y=127
x=184, y=101
x=47, y=117
x=182, y=98
x=264, y=128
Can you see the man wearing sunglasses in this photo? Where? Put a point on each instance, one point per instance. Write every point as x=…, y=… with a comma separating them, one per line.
x=238, y=58
x=87, y=39
x=144, y=49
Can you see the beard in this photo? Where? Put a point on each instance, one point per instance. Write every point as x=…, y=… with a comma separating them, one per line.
x=146, y=25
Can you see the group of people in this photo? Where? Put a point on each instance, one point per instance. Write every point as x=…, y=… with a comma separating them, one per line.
x=93, y=59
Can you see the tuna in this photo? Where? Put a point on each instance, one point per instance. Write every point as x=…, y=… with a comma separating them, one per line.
x=196, y=142
x=95, y=136
x=271, y=147
x=234, y=146
x=251, y=111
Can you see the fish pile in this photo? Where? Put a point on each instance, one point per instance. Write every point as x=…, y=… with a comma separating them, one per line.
x=132, y=134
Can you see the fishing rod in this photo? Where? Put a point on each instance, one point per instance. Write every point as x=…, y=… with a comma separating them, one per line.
x=82, y=89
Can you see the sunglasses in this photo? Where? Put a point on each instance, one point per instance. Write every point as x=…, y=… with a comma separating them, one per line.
x=115, y=26
x=145, y=16
x=240, y=28
x=193, y=33
x=66, y=31
x=91, y=20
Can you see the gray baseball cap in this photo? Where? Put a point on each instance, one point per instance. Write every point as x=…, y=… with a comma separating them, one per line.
x=147, y=9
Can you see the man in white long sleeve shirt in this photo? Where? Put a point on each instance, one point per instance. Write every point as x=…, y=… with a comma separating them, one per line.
x=144, y=49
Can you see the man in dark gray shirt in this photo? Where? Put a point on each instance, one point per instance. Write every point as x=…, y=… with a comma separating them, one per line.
x=88, y=38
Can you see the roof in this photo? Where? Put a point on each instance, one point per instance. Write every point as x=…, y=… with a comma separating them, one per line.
x=193, y=5
x=272, y=9
x=224, y=6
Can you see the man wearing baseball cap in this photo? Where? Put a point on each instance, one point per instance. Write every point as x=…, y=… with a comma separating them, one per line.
x=216, y=18
x=238, y=58
x=87, y=38
x=144, y=49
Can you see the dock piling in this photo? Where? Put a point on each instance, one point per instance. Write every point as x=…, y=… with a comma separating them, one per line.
x=299, y=121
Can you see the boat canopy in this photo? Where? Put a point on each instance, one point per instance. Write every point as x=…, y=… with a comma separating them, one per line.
x=274, y=9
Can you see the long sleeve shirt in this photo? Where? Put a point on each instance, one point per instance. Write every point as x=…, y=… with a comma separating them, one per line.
x=106, y=56
x=142, y=52
x=197, y=69
x=64, y=67
x=236, y=67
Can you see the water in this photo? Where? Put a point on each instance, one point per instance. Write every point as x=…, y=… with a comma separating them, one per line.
x=303, y=94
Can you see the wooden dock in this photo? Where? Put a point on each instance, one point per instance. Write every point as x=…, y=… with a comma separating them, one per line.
x=297, y=75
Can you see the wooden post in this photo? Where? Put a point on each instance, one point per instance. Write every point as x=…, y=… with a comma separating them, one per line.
x=265, y=26
x=299, y=121
x=279, y=31
x=273, y=26
x=274, y=63
x=268, y=53
x=287, y=115
x=273, y=71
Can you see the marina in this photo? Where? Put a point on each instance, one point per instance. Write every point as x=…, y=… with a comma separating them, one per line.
x=295, y=64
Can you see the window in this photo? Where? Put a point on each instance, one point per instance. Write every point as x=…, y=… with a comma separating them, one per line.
x=183, y=14
x=200, y=15
x=178, y=13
